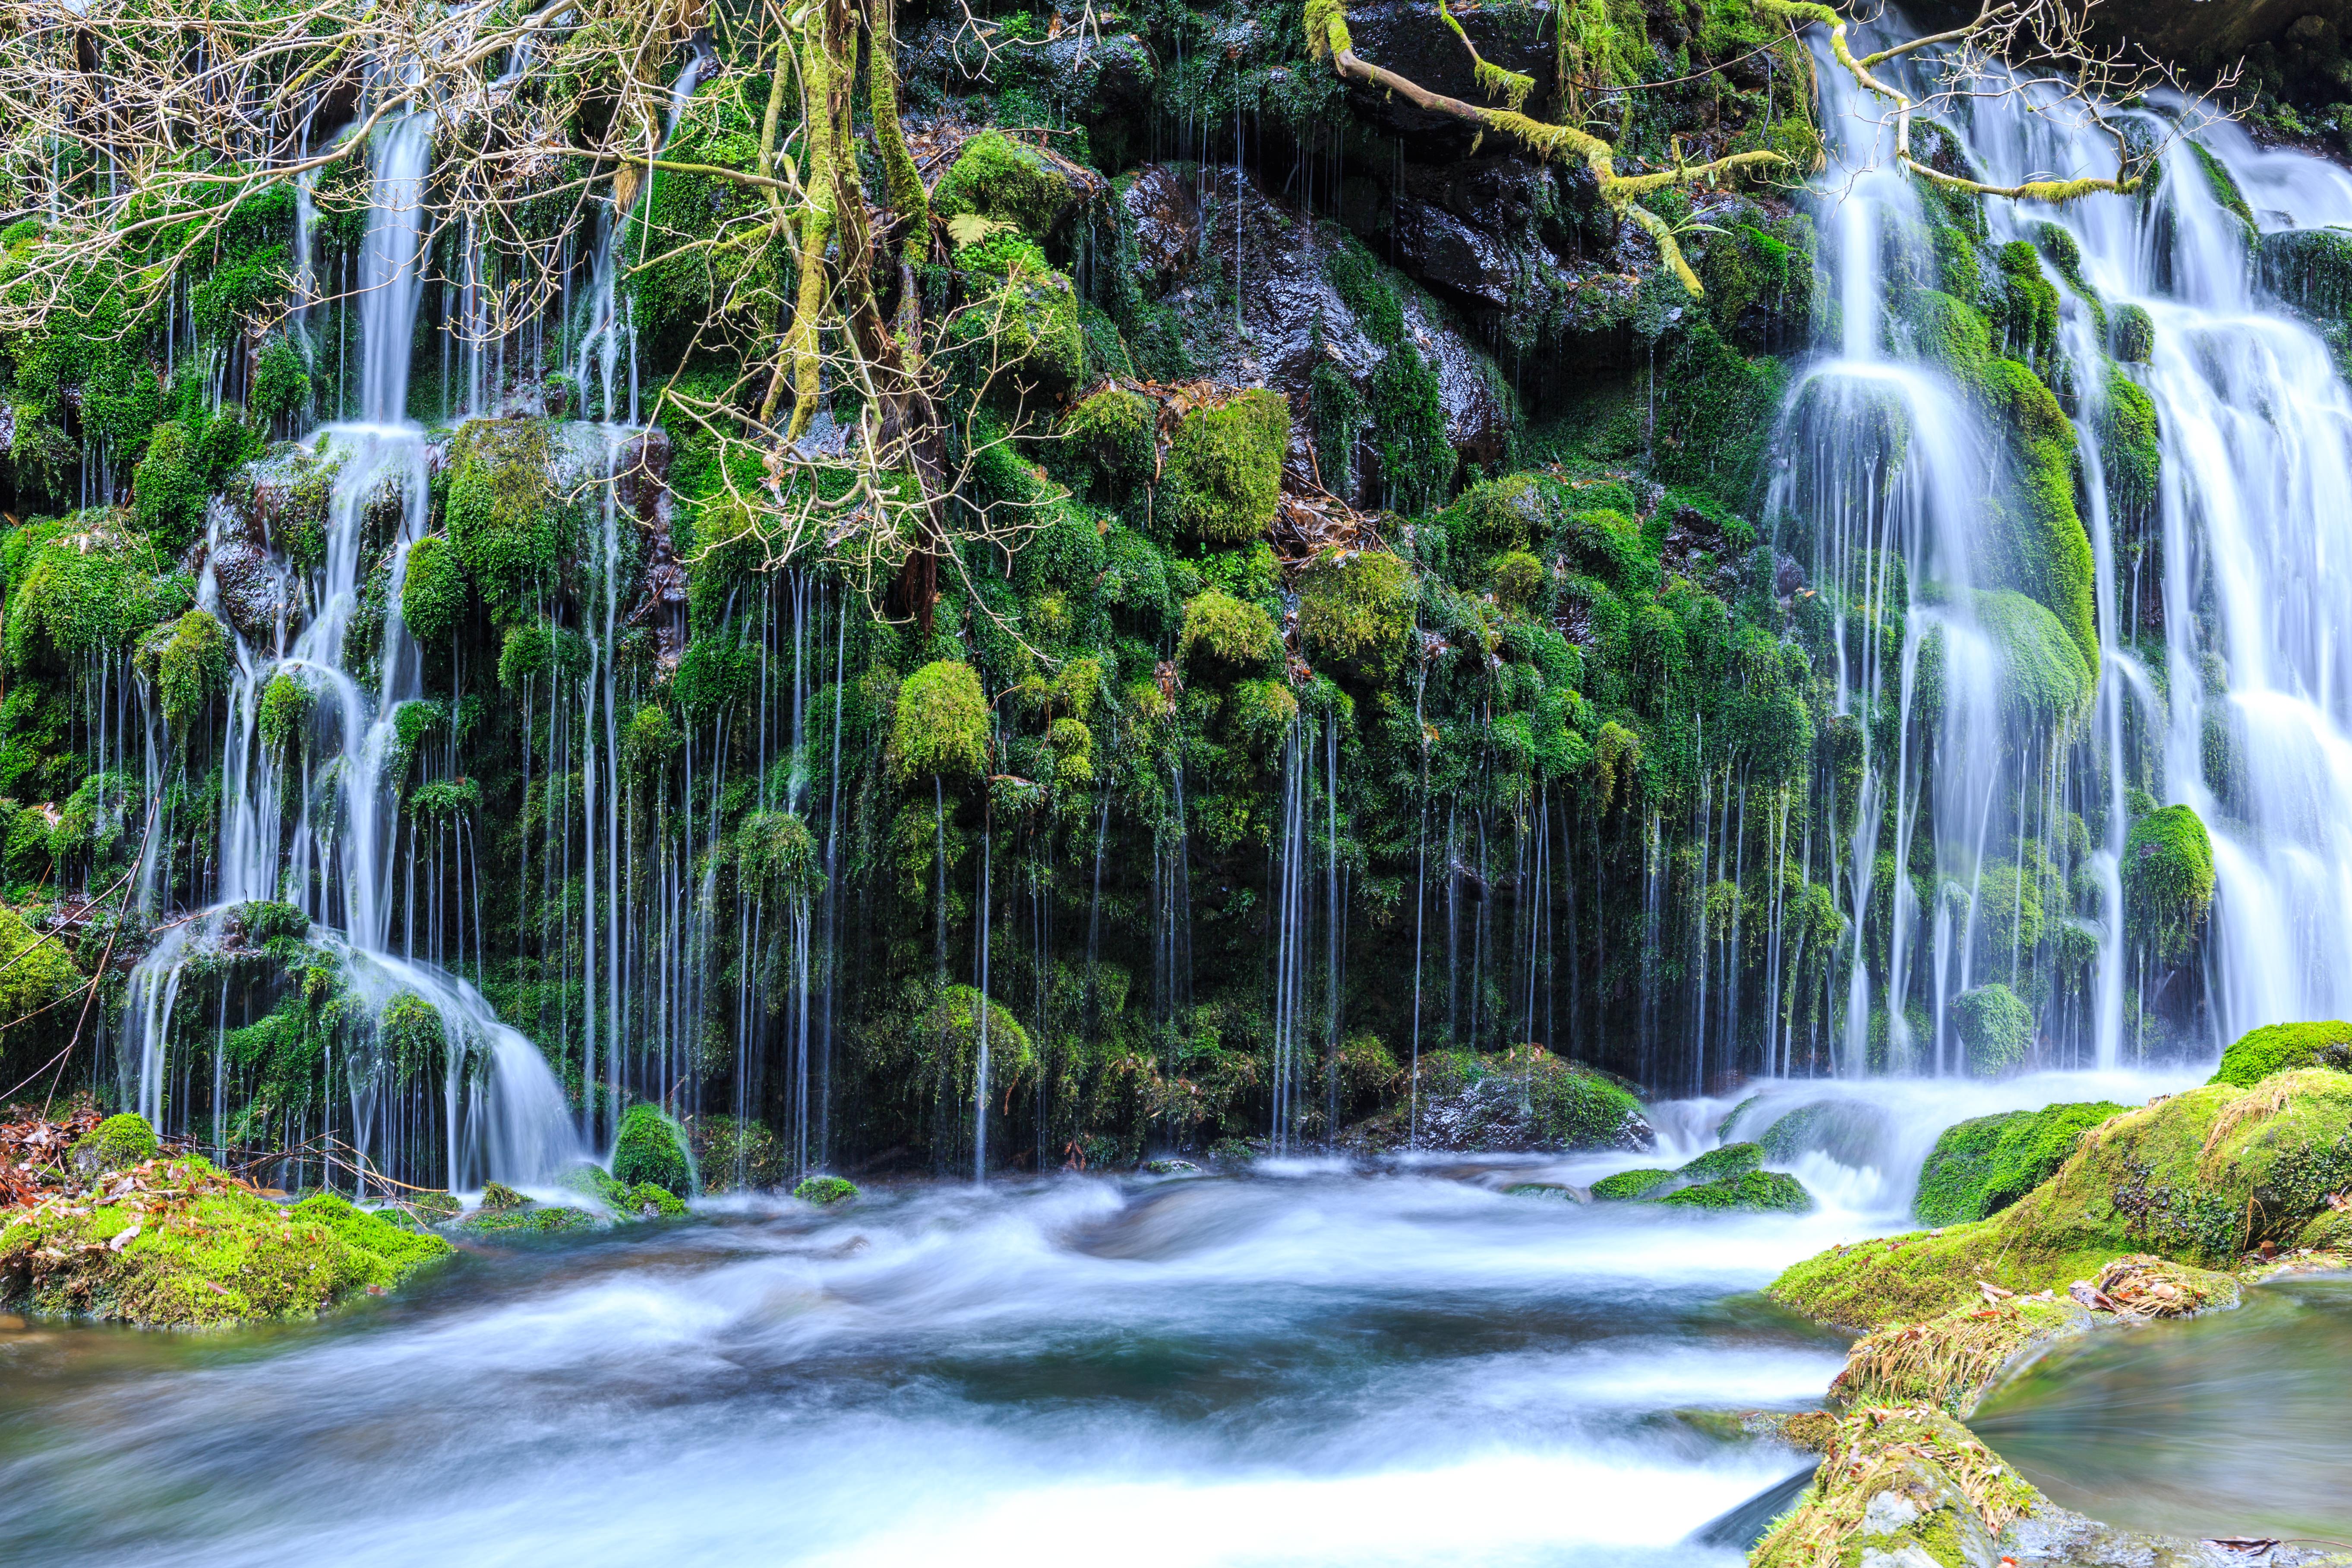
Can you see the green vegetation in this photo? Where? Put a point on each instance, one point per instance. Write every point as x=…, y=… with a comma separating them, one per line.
x=653, y=1148
x=1718, y=1165
x=1224, y=470
x=825, y=1191
x=1355, y=609
x=119, y=1141
x=2167, y=880
x=942, y=725
x=2280, y=1047
x=1995, y=1027
x=1629, y=1184
x=1980, y=1167
x=1762, y=1190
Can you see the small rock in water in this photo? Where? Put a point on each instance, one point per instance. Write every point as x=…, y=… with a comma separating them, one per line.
x=499, y=1198
x=1171, y=1168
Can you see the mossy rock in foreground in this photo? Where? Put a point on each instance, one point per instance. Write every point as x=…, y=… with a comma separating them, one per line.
x=1772, y=1192
x=114, y=1143
x=2202, y=1178
x=1981, y=1167
x=216, y=1253
x=1911, y=1487
x=2276, y=1047
x=825, y=1191
x=653, y=1148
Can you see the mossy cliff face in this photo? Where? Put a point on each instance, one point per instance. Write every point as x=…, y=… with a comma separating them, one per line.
x=1362, y=624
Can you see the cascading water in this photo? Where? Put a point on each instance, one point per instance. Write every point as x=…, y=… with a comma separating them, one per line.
x=310, y=820
x=2206, y=627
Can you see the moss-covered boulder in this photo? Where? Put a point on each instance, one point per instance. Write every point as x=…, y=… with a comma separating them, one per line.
x=1773, y=1191
x=1009, y=182
x=1626, y=1185
x=2044, y=677
x=1732, y=1160
x=960, y=1023
x=192, y=668
x=652, y=1147
x=2276, y=1048
x=1981, y=1167
x=825, y=1191
x=186, y=1247
x=940, y=727
x=1524, y=1099
x=2167, y=880
x=733, y=1155
x=1356, y=612
x=1117, y=433
x=2131, y=334
x=2202, y=1178
x=1228, y=635
x=1850, y=1132
x=433, y=593
x=118, y=1142
x=1222, y=476
x=1996, y=1029
x=509, y=535
x=1910, y=1487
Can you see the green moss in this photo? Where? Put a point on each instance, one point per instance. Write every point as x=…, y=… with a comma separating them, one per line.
x=2130, y=451
x=2278, y=1048
x=1026, y=329
x=192, y=669
x=1626, y=1185
x=1980, y=1167
x=82, y=589
x=32, y=977
x=433, y=592
x=285, y=717
x=2044, y=680
x=1355, y=610
x=1955, y=1497
x=2167, y=880
x=119, y=1140
x=1119, y=431
x=504, y=522
x=1530, y=1098
x=1947, y=1362
x=187, y=461
x=2038, y=544
x=1731, y=1159
x=1009, y=181
x=2131, y=335
x=1715, y=411
x=1226, y=633
x=649, y=1200
x=825, y=1191
x=1406, y=408
x=950, y=1039
x=1765, y=1191
x=400, y=1251
x=2224, y=186
x=215, y=1254
x=1224, y=470
x=2027, y=305
x=942, y=726
x=653, y=1148
x=1995, y=1027
x=733, y=1154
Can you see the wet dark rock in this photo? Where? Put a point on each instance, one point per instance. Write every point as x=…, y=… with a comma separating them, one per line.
x=640, y=470
x=1410, y=38
x=1166, y=212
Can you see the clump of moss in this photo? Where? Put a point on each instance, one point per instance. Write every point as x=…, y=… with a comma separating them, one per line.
x=2043, y=678
x=192, y=668
x=2131, y=334
x=433, y=595
x=952, y=1037
x=2278, y=1048
x=2167, y=879
x=197, y=1249
x=499, y=1198
x=1119, y=432
x=1355, y=610
x=33, y=976
x=731, y=1153
x=1995, y=1027
x=997, y=177
x=775, y=852
x=1765, y=1191
x=286, y=704
x=940, y=727
x=1229, y=633
x=1522, y=1098
x=1030, y=324
x=119, y=1140
x=1223, y=472
x=1982, y=1166
x=653, y=1148
x=1626, y=1185
x=1718, y=1165
x=825, y=1191
x=502, y=516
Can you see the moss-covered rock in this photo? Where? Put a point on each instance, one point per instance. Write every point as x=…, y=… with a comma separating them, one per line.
x=2167, y=880
x=189, y=1248
x=1773, y=1191
x=192, y=668
x=1524, y=1099
x=1010, y=182
x=1905, y=1486
x=734, y=1154
x=1356, y=611
x=433, y=595
x=120, y=1139
x=1995, y=1027
x=2131, y=334
x=2043, y=679
x=1849, y=1130
x=1718, y=1165
x=1947, y=1362
x=2278, y=1048
x=1119, y=432
x=1224, y=470
x=952, y=1034
x=1982, y=1166
x=1229, y=635
x=941, y=724
x=652, y=1147
x=507, y=532
x=1626, y=1185
x=825, y=1191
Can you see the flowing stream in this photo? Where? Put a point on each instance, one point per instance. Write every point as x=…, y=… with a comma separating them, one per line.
x=1309, y=1364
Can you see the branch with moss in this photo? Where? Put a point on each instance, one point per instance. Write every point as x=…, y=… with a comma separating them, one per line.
x=2003, y=19
x=1328, y=39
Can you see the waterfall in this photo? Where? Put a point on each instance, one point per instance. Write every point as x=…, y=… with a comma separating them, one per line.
x=505, y=1114
x=1887, y=478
